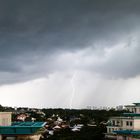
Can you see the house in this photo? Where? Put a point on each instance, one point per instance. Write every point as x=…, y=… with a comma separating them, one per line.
x=135, y=108
x=5, y=118
x=19, y=130
x=21, y=117
x=127, y=126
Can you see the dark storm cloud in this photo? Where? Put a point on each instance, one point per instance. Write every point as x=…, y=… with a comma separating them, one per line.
x=65, y=23
x=33, y=32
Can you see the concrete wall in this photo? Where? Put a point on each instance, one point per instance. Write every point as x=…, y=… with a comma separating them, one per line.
x=120, y=138
x=124, y=124
x=110, y=129
x=0, y=137
x=126, y=138
x=21, y=137
x=116, y=121
x=137, y=109
x=110, y=137
x=5, y=118
x=128, y=127
x=136, y=124
x=32, y=137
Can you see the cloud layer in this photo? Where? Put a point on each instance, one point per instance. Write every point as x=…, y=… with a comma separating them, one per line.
x=44, y=39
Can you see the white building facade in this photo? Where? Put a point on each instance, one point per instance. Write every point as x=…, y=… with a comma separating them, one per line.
x=127, y=126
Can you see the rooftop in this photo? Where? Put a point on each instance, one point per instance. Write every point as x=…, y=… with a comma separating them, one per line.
x=137, y=104
x=127, y=132
x=131, y=114
x=133, y=105
x=27, y=124
x=23, y=128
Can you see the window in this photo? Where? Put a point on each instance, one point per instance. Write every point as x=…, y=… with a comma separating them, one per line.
x=118, y=123
x=113, y=122
x=127, y=123
x=131, y=123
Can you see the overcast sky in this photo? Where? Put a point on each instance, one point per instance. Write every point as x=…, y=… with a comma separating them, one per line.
x=69, y=53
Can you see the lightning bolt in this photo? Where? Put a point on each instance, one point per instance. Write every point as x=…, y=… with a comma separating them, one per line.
x=73, y=89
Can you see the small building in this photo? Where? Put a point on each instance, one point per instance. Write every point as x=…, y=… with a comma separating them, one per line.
x=5, y=118
x=22, y=130
x=127, y=126
x=19, y=130
x=135, y=108
x=22, y=117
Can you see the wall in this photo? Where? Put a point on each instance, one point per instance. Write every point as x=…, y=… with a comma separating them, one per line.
x=0, y=137
x=125, y=126
x=126, y=138
x=137, y=124
x=32, y=137
x=5, y=118
x=110, y=129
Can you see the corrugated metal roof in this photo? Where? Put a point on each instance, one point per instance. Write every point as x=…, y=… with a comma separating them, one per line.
x=21, y=128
